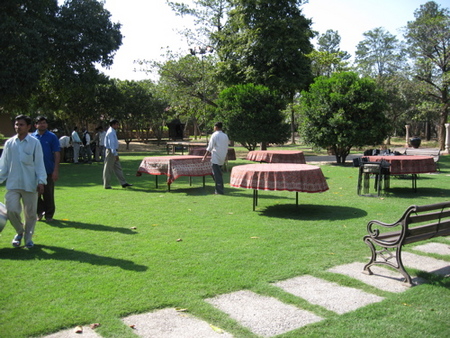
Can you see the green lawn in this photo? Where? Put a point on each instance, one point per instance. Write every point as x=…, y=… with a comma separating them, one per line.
x=91, y=265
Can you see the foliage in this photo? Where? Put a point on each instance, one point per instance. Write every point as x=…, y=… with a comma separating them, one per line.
x=266, y=42
x=429, y=39
x=343, y=111
x=252, y=114
x=379, y=54
x=54, y=47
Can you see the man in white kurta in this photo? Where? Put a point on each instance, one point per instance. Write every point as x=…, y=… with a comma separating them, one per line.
x=22, y=166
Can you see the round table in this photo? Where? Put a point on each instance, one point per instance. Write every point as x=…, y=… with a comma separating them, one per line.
x=276, y=156
x=407, y=165
x=278, y=176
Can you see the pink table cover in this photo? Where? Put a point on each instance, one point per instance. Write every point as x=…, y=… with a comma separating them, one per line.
x=175, y=166
x=407, y=164
x=277, y=156
x=201, y=151
x=279, y=176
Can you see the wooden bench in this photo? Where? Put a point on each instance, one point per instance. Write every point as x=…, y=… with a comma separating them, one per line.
x=418, y=223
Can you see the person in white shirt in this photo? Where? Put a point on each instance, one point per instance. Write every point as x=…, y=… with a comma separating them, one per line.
x=99, y=140
x=22, y=166
x=218, y=147
x=112, y=162
x=76, y=144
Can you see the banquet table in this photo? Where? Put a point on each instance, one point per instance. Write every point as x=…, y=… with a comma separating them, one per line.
x=277, y=156
x=174, y=167
x=407, y=165
x=278, y=176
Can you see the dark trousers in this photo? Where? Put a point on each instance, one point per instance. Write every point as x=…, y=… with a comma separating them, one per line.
x=46, y=201
x=217, y=172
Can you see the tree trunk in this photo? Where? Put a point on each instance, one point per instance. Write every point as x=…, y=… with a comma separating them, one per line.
x=263, y=146
x=292, y=125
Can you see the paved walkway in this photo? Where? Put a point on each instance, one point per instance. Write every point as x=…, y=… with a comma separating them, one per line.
x=267, y=316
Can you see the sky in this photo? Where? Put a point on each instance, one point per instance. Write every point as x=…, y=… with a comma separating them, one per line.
x=150, y=26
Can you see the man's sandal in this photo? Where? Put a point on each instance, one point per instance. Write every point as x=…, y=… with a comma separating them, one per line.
x=17, y=240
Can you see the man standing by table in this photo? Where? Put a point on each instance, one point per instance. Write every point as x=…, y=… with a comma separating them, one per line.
x=51, y=150
x=112, y=163
x=218, y=147
x=22, y=166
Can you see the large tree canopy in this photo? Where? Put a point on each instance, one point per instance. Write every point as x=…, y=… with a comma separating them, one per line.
x=265, y=42
x=41, y=42
x=343, y=111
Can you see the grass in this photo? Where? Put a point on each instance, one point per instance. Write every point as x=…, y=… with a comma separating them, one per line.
x=92, y=266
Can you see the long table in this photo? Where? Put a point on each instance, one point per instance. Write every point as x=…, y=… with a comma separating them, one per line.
x=278, y=176
x=174, y=167
x=277, y=156
x=172, y=146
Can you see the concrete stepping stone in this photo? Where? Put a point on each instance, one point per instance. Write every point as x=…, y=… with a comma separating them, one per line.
x=428, y=264
x=70, y=333
x=170, y=323
x=332, y=296
x=436, y=248
x=382, y=278
x=264, y=316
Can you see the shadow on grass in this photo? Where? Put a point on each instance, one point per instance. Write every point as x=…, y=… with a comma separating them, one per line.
x=62, y=254
x=312, y=212
x=87, y=226
x=407, y=192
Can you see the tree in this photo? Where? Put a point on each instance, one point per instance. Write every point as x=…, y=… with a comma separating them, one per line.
x=379, y=54
x=252, y=115
x=58, y=46
x=343, y=111
x=328, y=58
x=266, y=42
x=428, y=37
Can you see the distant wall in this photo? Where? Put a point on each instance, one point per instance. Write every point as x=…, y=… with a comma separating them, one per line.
x=6, y=126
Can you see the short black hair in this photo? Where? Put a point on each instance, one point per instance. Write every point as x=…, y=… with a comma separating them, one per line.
x=113, y=121
x=40, y=118
x=218, y=125
x=23, y=117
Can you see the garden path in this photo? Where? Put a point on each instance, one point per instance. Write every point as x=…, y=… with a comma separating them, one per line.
x=267, y=316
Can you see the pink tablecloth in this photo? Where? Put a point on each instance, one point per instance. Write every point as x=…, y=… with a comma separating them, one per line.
x=201, y=151
x=175, y=166
x=407, y=164
x=282, y=176
x=276, y=156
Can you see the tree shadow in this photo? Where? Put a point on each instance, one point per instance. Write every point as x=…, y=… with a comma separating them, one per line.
x=87, y=226
x=312, y=212
x=62, y=254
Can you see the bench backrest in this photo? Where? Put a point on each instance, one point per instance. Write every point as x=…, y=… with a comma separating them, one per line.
x=426, y=221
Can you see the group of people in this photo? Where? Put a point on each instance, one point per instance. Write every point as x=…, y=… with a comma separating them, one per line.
x=85, y=146
x=30, y=166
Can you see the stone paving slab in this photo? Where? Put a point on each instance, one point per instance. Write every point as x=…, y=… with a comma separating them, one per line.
x=382, y=278
x=332, y=296
x=170, y=323
x=70, y=333
x=264, y=316
x=436, y=248
x=428, y=264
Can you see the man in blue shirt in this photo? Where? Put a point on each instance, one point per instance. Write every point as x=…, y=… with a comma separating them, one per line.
x=51, y=151
x=112, y=162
